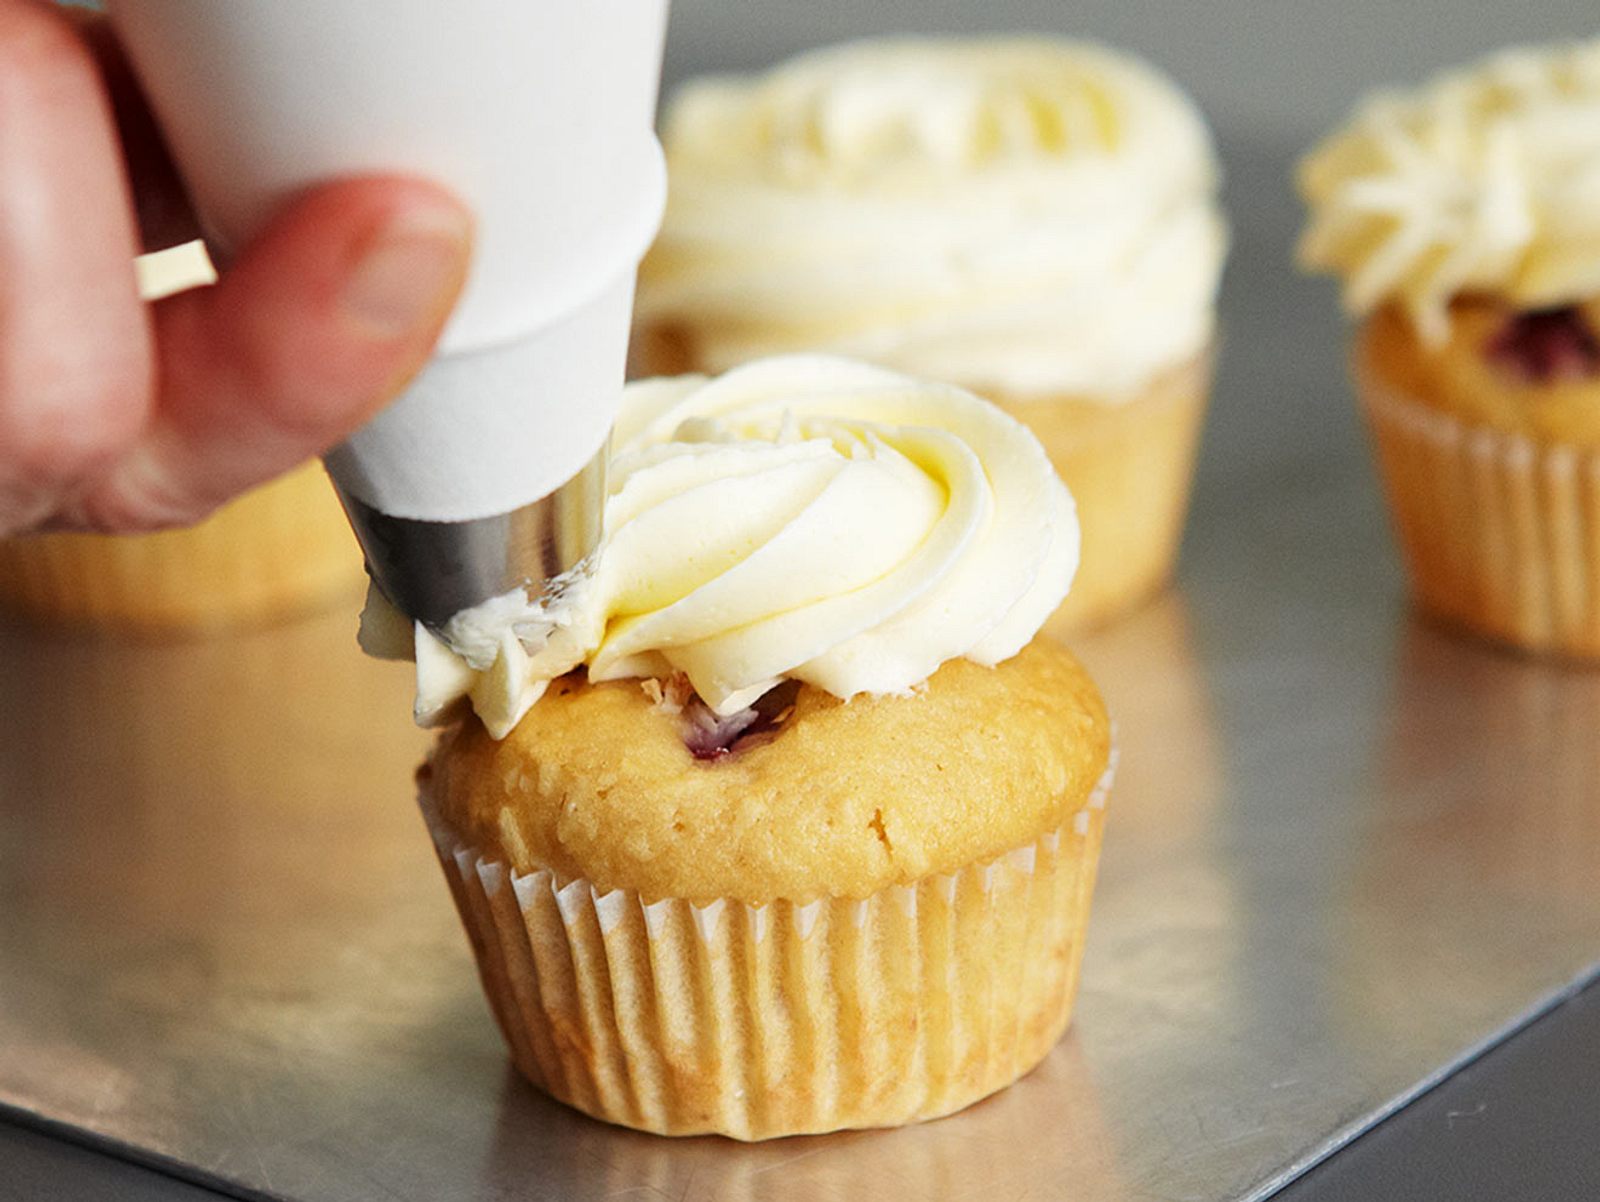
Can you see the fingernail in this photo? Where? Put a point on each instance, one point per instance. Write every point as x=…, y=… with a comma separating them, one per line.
x=410, y=272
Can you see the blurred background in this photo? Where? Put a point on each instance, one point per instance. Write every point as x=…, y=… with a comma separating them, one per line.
x=1261, y=69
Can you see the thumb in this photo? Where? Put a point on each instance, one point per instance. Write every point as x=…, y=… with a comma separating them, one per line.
x=325, y=317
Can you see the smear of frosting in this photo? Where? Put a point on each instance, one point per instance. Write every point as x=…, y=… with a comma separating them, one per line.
x=1482, y=180
x=804, y=518
x=1030, y=215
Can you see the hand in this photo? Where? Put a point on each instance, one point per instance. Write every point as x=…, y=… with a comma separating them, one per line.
x=118, y=415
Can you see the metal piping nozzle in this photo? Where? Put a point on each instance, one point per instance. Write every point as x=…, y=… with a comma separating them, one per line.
x=431, y=571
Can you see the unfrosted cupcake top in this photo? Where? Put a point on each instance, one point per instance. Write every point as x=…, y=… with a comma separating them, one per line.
x=1028, y=215
x=838, y=801
x=1485, y=180
x=803, y=518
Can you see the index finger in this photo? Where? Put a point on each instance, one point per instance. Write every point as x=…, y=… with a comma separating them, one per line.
x=75, y=358
x=160, y=201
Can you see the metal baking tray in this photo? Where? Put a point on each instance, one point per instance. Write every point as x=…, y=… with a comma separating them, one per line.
x=1345, y=853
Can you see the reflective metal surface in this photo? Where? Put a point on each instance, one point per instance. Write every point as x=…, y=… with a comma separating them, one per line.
x=434, y=570
x=1345, y=851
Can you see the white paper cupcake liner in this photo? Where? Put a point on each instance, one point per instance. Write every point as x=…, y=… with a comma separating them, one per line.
x=763, y=1020
x=1500, y=534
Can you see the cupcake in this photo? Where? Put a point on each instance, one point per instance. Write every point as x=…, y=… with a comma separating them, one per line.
x=282, y=549
x=1030, y=218
x=783, y=820
x=1462, y=219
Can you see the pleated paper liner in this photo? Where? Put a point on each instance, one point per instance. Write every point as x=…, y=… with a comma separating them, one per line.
x=784, y=1018
x=1500, y=534
x=278, y=551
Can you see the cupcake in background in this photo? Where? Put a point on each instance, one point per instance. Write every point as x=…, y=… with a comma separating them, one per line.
x=1464, y=218
x=177, y=269
x=282, y=549
x=1033, y=219
x=809, y=840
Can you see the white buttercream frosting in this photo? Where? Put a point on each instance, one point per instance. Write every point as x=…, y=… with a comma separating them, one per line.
x=802, y=517
x=1483, y=180
x=1030, y=215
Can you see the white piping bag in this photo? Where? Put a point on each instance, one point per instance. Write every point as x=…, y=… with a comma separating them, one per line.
x=489, y=471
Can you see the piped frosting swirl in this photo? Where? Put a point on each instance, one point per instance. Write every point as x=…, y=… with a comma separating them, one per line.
x=804, y=518
x=1030, y=215
x=1483, y=180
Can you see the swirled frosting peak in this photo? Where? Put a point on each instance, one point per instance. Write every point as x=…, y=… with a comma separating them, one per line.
x=875, y=113
x=1484, y=180
x=804, y=518
x=1027, y=214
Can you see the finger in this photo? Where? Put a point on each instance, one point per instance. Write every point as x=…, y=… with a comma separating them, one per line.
x=75, y=362
x=325, y=317
x=161, y=203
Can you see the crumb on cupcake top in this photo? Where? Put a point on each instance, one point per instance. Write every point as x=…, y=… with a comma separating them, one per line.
x=1484, y=181
x=834, y=799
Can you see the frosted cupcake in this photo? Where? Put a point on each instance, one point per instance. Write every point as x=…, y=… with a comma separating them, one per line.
x=283, y=549
x=1032, y=219
x=280, y=550
x=1465, y=219
x=808, y=840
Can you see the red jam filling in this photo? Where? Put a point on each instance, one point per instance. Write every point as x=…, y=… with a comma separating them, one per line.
x=1547, y=346
x=709, y=737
